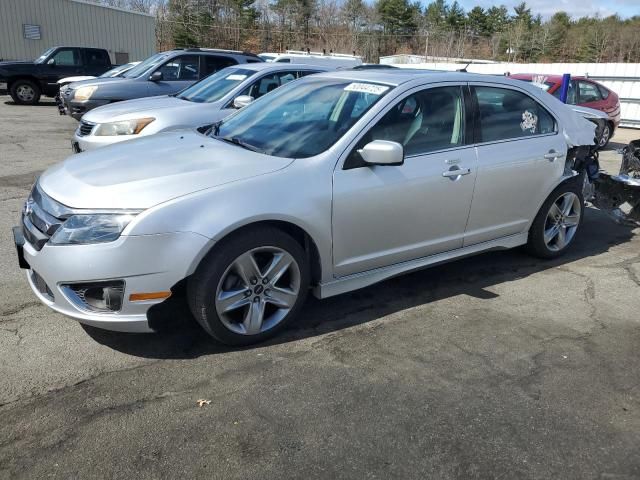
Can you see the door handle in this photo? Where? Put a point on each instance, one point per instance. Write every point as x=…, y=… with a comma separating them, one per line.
x=456, y=171
x=552, y=155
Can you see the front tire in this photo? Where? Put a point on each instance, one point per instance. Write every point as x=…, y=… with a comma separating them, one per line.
x=250, y=286
x=606, y=136
x=558, y=222
x=25, y=92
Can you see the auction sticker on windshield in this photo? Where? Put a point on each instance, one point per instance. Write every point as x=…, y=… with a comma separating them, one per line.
x=235, y=76
x=366, y=88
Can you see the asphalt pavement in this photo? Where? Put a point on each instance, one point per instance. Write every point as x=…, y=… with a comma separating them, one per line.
x=497, y=366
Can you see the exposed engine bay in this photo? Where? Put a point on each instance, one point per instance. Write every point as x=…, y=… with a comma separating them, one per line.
x=617, y=195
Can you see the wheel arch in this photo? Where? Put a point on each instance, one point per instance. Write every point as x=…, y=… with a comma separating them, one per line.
x=298, y=233
x=12, y=80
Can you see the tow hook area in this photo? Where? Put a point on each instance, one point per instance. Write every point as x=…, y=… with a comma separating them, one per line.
x=619, y=195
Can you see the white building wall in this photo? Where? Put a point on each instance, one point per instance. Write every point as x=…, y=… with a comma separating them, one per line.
x=73, y=23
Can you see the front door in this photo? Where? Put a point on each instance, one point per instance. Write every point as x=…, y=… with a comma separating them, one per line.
x=384, y=215
x=521, y=155
x=177, y=74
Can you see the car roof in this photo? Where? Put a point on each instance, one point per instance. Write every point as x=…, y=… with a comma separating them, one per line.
x=399, y=76
x=277, y=67
x=551, y=78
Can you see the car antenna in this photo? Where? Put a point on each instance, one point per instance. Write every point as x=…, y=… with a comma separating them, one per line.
x=465, y=68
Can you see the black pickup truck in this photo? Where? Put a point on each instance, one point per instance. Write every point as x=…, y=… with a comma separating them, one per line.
x=27, y=81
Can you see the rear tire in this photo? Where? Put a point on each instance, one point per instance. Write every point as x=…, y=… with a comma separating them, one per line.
x=25, y=92
x=606, y=136
x=558, y=222
x=250, y=286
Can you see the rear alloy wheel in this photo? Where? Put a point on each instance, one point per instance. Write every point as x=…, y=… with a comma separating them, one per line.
x=557, y=224
x=25, y=92
x=605, y=137
x=250, y=287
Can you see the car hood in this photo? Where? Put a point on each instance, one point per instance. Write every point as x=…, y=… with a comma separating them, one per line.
x=76, y=79
x=96, y=81
x=129, y=109
x=145, y=172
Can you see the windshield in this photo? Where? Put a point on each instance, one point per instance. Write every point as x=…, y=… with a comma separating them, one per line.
x=301, y=119
x=44, y=56
x=216, y=86
x=145, y=65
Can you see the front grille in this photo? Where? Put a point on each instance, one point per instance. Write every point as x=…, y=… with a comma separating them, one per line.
x=41, y=217
x=85, y=128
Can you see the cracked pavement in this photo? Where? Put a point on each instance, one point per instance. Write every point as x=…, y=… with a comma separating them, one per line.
x=497, y=366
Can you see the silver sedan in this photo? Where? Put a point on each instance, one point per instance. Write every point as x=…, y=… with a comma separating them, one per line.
x=329, y=184
x=205, y=102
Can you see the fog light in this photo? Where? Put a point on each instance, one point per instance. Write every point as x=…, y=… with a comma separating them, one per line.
x=96, y=296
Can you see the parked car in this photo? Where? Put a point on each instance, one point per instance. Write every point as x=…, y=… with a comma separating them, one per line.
x=335, y=182
x=582, y=91
x=161, y=74
x=63, y=82
x=27, y=81
x=331, y=60
x=203, y=103
x=114, y=72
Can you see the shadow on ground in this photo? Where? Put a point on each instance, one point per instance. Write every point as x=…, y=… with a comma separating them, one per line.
x=181, y=337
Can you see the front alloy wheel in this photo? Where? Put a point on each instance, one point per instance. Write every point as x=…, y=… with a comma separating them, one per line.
x=250, y=285
x=258, y=290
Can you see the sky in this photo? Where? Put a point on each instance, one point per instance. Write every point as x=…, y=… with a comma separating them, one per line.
x=575, y=8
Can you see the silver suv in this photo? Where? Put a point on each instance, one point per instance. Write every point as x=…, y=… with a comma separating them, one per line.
x=333, y=182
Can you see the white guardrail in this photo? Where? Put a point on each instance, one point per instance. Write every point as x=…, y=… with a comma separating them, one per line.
x=622, y=78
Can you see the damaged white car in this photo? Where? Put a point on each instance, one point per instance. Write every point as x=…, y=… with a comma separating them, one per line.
x=331, y=183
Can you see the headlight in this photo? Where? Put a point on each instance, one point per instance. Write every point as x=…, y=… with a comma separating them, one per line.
x=125, y=127
x=91, y=228
x=84, y=93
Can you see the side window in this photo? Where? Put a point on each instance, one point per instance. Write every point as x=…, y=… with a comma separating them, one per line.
x=97, y=58
x=67, y=57
x=284, y=60
x=423, y=122
x=184, y=67
x=268, y=83
x=603, y=91
x=588, y=92
x=212, y=64
x=571, y=93
x=506, y=114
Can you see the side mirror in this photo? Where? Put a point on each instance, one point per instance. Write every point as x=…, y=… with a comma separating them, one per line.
x=382, y=152
x=155, y=76
x=242, y=101
x=52, y=62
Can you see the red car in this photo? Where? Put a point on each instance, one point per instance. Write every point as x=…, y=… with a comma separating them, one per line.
x=582, y=91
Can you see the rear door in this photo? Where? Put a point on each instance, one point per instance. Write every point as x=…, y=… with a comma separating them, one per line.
x=520, y=157
x=213, y=63
x=96, y=61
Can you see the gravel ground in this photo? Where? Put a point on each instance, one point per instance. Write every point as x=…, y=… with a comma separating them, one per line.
x=497, y=366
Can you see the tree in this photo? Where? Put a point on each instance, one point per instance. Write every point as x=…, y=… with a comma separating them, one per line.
x=477, y=21
x=455, y=16
x=397, y=16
